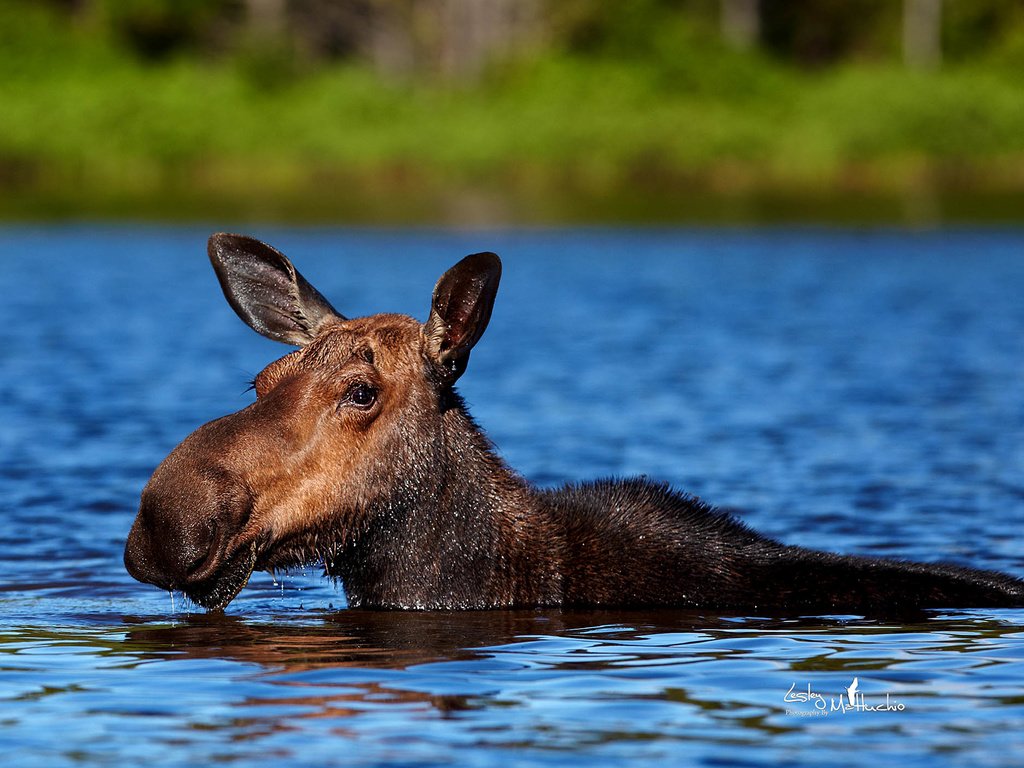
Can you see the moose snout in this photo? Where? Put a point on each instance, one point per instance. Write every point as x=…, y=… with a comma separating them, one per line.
x=184, y=528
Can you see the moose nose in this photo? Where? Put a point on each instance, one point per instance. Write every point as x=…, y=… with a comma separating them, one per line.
x=182, y=530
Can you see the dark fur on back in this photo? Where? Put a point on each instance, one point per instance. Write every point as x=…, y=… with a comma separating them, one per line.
x=652, y=536
x=639, y=543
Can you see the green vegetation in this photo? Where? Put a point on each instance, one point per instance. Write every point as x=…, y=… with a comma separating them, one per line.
x=678, y=126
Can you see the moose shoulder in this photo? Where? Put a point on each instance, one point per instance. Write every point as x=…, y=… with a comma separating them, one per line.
x=358, y=453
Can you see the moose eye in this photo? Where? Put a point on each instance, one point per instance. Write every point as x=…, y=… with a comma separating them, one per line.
x=361, y=395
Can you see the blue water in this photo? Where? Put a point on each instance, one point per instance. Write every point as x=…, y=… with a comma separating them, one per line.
x=860, y=392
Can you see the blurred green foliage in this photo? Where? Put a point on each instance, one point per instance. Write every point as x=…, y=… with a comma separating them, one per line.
x=161, y=107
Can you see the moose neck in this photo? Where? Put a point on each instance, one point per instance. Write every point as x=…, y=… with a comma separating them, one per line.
x=460, y=530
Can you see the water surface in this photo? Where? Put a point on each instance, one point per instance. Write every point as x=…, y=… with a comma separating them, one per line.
x=853, y=391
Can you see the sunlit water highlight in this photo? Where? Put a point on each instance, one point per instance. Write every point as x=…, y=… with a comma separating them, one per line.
x=858, y=392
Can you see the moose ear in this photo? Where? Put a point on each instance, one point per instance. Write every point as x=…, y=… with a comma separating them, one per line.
x=460, y=310
x=266, y=291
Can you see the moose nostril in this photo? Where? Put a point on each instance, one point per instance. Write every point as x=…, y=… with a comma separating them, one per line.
x=205, y=562
x=197, y=562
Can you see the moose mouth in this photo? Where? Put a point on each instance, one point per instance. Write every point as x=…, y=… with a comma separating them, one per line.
x=216, y=592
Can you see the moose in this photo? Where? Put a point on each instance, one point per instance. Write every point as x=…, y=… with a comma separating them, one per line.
x=358, y=453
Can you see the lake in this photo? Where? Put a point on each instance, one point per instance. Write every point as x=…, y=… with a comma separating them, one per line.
x=859, y=391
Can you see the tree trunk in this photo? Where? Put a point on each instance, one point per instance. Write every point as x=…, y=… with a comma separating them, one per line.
x=922, y=33
x=741, y=23
x=474, y=31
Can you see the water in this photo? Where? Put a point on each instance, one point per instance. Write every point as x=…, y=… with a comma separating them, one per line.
x=853, y=391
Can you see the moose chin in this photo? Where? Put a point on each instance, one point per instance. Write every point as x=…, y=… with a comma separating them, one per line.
x=359, y=453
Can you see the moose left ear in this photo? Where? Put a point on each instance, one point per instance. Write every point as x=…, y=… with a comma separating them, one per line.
x=460, y=311
x=266, y=291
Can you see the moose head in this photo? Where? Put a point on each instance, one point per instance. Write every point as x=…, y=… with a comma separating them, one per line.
x=347, y=428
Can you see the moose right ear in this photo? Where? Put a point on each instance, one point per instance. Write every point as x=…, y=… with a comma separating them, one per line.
x=460, y=310
x=266, y=291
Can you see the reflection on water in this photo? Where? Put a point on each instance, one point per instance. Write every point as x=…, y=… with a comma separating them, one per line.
x=852, y=391
x=519, y=687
